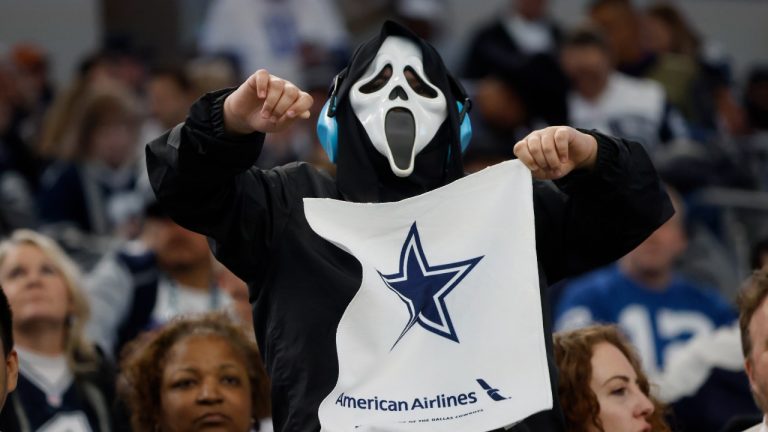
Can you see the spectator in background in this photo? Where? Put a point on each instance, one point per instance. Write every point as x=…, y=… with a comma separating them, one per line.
x=713, y=103
x=289, y=35
x=10, y=373
x=64, y=382
x=622, y=26
x=521, y=31
x=211, y=72
x=756, y=99
x=297, y=39
x=657, y=307
x=423, y=17
x=26, y=93
x=194, y=374
x=170, y=93
x=753, y=323
x=602, y=385
x=101, y=71
x=504, y=119
x=95, y=192
x=704, y=382
x=612, y=102
x=17, y=169
x=521, y=45
x=34, y=88
x=168, y=272
x=756, y=107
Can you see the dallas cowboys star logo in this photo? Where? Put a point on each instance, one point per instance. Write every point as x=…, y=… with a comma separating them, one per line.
x=423, y=288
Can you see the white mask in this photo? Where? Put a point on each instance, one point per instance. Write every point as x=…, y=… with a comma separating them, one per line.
x=400, y=109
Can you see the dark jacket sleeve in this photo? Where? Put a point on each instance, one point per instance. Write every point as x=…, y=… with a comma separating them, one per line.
x=207, y=182
x=595, y=217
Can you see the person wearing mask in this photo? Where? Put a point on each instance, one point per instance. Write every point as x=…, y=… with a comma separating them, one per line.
x=398, y=117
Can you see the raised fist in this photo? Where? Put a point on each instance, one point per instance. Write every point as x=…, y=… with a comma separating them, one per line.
x=553, y=152
x=265, y=103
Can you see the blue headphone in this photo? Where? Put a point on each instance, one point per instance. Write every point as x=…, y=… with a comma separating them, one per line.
x=328, y=128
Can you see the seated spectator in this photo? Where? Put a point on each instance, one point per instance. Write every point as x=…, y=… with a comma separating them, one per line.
x=753, y=323
x=20, y=111
x=712, y=101
x=96, y=192
x=10, y=373
x=756, y=99
x=35, y=90
x=18, y=165
x=657, y=307
x=623, y=26
x=601, y=385
x=519, y=47
x=196, y=374
x=170, y=93
x=523, y=29
x=64, y=383
x=288, y=35
x=612, y=102
x=704, y=382
x=168, y=272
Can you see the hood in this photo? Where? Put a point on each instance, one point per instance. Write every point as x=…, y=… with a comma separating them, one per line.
x=363, y=174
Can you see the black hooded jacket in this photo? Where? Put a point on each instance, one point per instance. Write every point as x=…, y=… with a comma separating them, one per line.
x=300, y=284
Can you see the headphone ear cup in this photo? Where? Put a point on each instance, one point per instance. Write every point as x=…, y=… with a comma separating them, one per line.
x=328, y=132
x=465, y=130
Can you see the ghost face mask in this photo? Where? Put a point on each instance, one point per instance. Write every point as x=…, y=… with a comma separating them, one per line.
x=400, y=109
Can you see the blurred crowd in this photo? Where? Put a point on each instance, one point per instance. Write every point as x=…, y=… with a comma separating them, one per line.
x=118, y=280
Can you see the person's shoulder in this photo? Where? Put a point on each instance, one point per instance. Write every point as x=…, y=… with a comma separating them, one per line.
x=688, y=286
x=602, y=281
x=590, y=290
x=584, y=301
x=490, y=29
x=60, y=174
x=704, y=296
x=755, y=428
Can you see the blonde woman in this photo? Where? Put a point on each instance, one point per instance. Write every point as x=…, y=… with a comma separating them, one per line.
x=63, y=383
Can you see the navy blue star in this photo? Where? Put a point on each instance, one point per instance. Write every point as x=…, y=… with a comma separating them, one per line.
x=423, y=288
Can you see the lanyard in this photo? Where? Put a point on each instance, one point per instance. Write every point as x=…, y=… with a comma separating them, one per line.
x=214, y=296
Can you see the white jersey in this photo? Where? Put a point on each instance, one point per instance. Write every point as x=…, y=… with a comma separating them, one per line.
x=629, y=107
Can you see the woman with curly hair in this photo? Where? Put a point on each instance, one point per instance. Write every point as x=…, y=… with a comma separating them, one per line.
x=602, y=386
x=195, y=373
